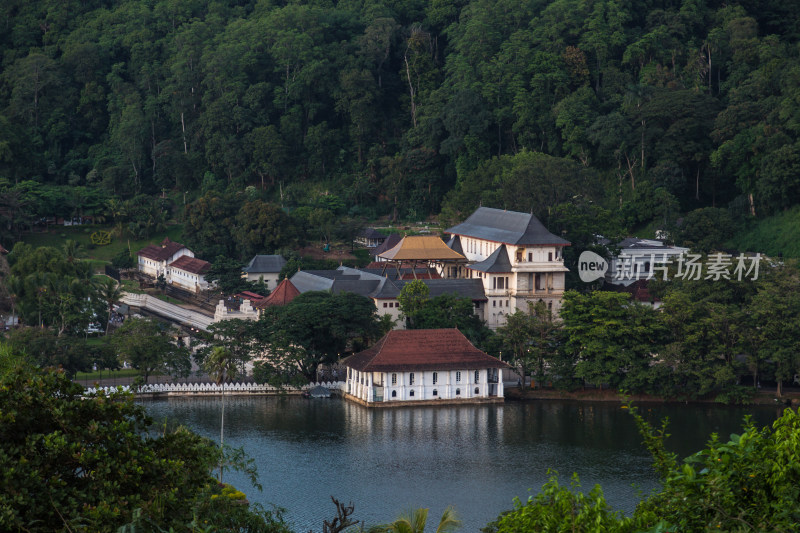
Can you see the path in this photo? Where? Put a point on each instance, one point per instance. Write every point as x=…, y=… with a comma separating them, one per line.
x=193, y=317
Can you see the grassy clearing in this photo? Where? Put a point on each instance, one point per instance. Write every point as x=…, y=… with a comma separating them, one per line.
x=775, y=235
x=131, y=286
x=108, y=374
x=56, y=236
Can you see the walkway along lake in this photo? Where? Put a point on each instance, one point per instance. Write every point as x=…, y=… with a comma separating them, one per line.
x=476, y=457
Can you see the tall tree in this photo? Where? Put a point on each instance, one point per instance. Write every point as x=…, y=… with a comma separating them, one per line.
x=531, y=340
x=109, y=291
x=148, y=347
x=221, y=365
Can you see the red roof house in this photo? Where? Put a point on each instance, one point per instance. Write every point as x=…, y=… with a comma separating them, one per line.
x=416, y=365
x=188, y=273
x=154, y=258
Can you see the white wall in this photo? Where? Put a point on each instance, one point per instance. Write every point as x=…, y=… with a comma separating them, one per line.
x=187, y=280
x=447, y=385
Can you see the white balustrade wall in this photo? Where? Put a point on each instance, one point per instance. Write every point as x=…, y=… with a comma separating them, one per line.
x=213, y=388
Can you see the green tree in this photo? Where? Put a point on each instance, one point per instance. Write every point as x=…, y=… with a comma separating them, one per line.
x=68, y=462
x=560, y=508
x=210, y=223
x=263, y=228
x=109, y=292
x=415, y=520
x=43, y=348
x=316, y=328
x=531, y=340
x=226, y=273
x=412, y=299
x=611, y=339
x=748, y=483
x=221, y=365
x=775, y=316
x=707, y=229
x=148, y=347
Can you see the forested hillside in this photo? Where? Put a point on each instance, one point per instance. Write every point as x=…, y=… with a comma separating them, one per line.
x=408, y=108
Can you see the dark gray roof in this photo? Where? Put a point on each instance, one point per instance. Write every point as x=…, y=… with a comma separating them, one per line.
x=497, y=262
x=389, y=243
x=374, y=286
x=455, y=244
x=463, y=288
x=265, y=264
x=386, y=289
x=509, y=227
x=394, y=273
x=364, y=287
x=306, y=281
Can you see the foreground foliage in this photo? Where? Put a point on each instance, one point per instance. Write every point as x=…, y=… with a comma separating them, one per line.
x=749, y=483
x=73, y=464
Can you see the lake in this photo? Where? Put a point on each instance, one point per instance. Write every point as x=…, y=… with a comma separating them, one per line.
x=474, y=457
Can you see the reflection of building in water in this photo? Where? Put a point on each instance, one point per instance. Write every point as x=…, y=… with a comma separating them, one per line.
x=477, y=428
x=432, y=366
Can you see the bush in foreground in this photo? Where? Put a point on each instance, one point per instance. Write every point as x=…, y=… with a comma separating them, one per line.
x=68, y=463
x=749, y=483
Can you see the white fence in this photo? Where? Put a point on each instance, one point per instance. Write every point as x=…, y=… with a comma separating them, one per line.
x=213, y=388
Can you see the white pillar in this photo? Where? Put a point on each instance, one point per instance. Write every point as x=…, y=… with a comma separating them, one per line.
x=500, y=384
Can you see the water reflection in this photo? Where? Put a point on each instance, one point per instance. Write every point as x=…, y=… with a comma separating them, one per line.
x=476, y=458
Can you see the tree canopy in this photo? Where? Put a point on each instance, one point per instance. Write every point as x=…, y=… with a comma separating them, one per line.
x=73, y=463
x=404, y=109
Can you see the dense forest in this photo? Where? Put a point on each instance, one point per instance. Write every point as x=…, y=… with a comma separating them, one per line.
x=646, y=108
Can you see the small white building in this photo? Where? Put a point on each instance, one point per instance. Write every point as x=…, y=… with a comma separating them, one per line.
x=370, y=238
x=267, y=267
x=423, y=366
x=188, y=273
x=154, y=259
x=641, y=259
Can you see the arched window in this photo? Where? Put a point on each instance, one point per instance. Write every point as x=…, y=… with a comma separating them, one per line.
x=394, y=394
x=458, y=392
x=411, y=393
x=477, y=390
x=435, y=392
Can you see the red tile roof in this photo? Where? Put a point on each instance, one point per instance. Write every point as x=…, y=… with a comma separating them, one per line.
x=163, y=252
x=247, y=295
x=191, y=264
x=422, y=349
x=284, y=293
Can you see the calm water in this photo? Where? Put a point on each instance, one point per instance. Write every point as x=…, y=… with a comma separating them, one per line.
x=476, y=458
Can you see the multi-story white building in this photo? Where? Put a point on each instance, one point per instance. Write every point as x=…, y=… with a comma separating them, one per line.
x=517, y=258
x=188, y=273
x=154, y=259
